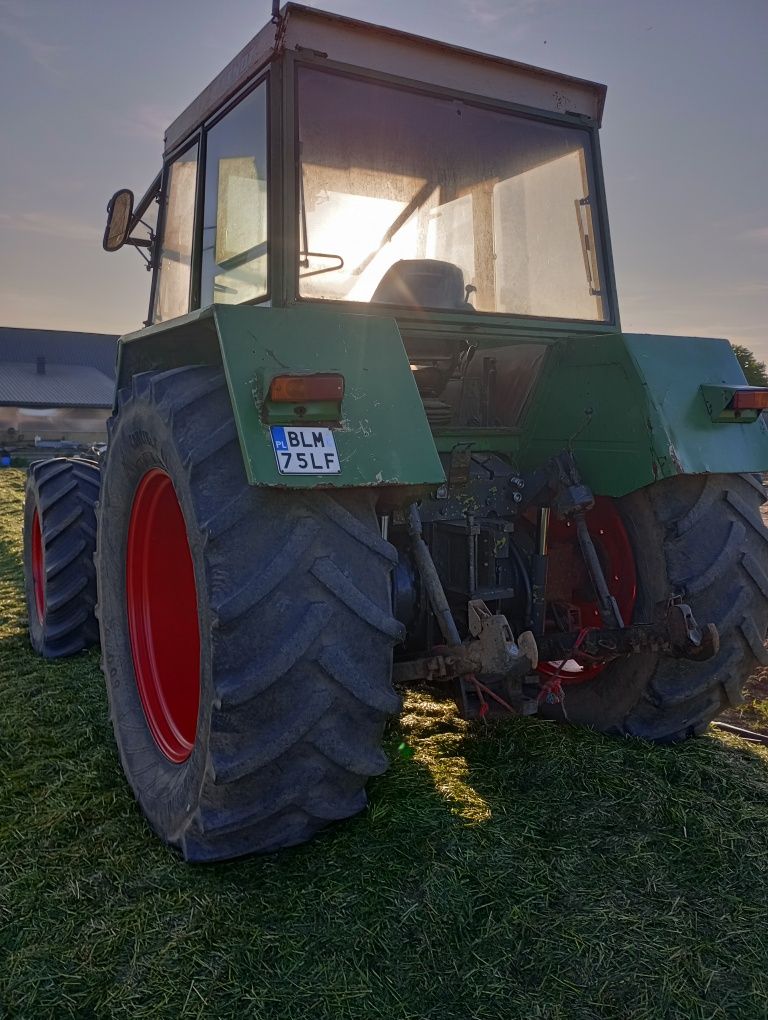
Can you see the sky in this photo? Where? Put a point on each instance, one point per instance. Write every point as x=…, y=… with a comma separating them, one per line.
x=87, y=88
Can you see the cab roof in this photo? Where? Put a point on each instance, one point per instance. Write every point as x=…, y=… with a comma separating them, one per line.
x=387, y=50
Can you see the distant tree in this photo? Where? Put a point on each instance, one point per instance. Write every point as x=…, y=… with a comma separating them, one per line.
x=754, y=370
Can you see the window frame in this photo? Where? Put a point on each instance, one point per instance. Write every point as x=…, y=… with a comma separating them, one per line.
x=200, y=138
x=438, y=317
x=189, y=143
x=262, y=78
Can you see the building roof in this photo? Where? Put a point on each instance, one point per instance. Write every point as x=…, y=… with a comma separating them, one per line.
x=58, y=347
x=61, y=386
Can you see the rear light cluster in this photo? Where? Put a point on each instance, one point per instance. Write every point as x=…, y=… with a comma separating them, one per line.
x=739, y=405
x=749, y=400
x=305, y=389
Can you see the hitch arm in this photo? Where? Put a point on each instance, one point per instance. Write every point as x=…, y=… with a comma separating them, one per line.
x=679, y=637
x=430, y=578
x=610, y=613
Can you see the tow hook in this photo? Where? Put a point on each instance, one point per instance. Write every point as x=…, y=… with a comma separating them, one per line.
x=497, y=652
x=491, y=651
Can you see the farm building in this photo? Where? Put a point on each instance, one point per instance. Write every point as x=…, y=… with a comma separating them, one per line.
x=56, y=387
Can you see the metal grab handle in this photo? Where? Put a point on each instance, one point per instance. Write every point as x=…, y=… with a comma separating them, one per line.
x=305, y=256
x=587, y=247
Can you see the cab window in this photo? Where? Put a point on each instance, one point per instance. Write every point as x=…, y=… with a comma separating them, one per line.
x=409, y=198
x=234, y=249
x=175, y=262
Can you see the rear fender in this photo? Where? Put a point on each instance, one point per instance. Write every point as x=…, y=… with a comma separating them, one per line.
x=382, y=434
x=633, y=408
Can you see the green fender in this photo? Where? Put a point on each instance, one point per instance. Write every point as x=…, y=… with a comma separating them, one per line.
x=631, y=407
x=383, y=437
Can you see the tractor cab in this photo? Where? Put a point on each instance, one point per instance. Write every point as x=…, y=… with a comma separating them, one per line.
x=338, y=162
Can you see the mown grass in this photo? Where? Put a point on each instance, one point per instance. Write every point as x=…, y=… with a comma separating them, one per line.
x=752, y=714
x=522, y=870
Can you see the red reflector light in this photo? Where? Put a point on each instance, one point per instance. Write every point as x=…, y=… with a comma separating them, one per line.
x=750, y=400
x=302, y=389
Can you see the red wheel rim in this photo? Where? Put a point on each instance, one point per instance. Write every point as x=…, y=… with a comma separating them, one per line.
x=162, y=616
x=38, y=566
x=618, y=561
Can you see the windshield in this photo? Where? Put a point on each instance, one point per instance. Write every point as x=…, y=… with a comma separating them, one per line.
x=409, y=198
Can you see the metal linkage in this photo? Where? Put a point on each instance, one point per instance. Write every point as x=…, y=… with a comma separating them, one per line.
x=430, y=578
x=490, y=650
x=678, y=636
x=607, y=605
x=572, y=500
x=539, y=562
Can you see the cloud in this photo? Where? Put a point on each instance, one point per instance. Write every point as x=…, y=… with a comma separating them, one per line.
x=736, y=334
x=759, y=234
x=747, y=290
x=13, y=28
x=149, y=120
x=50, y=225
x=491, y=12
x=737, y=289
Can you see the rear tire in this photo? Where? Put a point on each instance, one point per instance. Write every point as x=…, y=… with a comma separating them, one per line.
x=295, y=632
x=59, y=543
x=701, y=537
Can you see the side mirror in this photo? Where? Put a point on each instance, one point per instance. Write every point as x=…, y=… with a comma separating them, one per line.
x=119, y=215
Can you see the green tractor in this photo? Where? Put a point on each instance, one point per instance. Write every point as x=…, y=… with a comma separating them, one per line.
x=383, y=427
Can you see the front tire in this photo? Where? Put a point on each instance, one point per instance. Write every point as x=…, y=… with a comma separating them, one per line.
x=269, y=727
x=701, y=537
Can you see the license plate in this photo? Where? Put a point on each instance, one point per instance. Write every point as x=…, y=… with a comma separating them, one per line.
x=305, y=451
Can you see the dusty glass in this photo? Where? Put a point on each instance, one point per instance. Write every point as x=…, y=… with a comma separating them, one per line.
x=390, y=174
x=234, y=263
x=175, y=263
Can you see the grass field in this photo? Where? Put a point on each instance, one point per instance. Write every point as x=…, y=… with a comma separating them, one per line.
x=523, y=870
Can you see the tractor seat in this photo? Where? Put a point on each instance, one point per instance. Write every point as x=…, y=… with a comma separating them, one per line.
x=425, y=283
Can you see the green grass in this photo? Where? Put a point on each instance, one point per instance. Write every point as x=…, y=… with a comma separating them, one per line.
x=523, y=870
x=752, y=714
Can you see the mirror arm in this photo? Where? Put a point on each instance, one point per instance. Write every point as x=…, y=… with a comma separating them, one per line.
x=152, y=193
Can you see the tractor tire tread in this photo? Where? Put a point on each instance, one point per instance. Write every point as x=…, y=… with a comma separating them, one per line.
x=236, y=688
x=64, y=491
x=299, y=630
x=726, y=587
